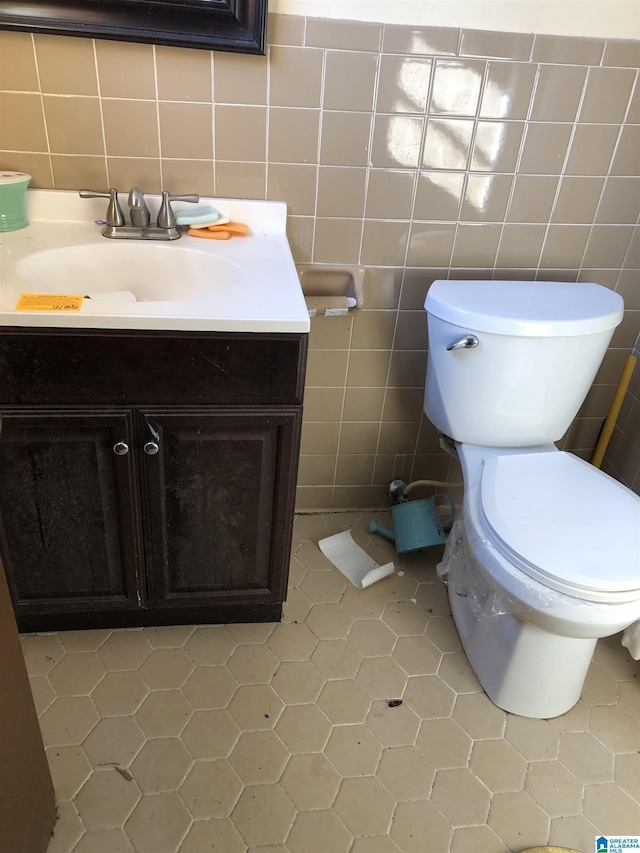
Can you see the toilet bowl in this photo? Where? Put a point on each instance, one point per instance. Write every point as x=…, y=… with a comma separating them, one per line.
x=527, y=573
x=545, y=558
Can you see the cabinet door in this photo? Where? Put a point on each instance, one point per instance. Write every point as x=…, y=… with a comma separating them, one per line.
x=69, y=517
x=218, y=502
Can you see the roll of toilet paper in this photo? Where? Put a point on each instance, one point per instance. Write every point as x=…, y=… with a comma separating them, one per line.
x=354, y=563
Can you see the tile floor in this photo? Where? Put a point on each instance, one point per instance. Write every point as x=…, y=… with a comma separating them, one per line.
x=280, y=737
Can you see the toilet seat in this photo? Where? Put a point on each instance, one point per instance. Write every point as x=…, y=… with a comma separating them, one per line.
x=564, y=523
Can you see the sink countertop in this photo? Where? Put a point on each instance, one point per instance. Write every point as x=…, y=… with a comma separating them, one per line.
x=263, y=293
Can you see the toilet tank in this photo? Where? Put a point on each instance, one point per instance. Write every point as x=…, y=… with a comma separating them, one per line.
x=539, y=347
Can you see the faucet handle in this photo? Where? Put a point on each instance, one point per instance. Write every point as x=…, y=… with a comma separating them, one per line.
x=115, y=216
x=166, y=216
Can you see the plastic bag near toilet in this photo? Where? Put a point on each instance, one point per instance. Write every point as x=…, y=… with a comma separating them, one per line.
x=631, y=640
x=461, y=572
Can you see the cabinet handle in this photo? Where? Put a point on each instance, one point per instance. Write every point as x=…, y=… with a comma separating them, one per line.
x=121, y=448
x=151, y=448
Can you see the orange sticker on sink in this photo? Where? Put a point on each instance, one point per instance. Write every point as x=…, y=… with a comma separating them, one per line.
x=48, y=302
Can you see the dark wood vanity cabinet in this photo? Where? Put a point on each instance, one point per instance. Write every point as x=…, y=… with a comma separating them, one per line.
x=147, y=477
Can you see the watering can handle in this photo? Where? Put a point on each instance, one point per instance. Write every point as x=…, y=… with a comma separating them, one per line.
x=452, y=506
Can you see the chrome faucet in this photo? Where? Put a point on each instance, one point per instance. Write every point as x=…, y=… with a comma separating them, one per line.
x=140, y=229
x=138, y=210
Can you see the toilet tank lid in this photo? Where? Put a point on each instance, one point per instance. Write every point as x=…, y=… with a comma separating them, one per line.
x=526, y=308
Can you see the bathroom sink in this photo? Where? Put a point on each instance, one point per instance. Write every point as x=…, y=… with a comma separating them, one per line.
x=245, y=284
x=150, y=272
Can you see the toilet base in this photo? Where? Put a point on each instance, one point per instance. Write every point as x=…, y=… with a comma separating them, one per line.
x=523, y=669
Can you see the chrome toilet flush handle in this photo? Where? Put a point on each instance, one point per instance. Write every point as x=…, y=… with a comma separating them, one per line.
x=465, y=342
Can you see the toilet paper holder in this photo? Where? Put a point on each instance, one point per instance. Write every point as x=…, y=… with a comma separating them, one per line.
x=331, y=290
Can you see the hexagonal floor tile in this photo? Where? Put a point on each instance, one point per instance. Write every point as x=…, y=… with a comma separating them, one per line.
x=303, y=728
x=461, y=798
x=364, y=805
x=405, y=773
x=84, y=641
x=297, y=682
x=210, y=687
x=344, y=702
x=353, y=750
x=292, y=641
x=263, y=815
x=210, y=645
x=124, y=650
x=104, y=841
x=442, y=632
x=259, y=757
x=161, y=765
x=219, y=834
x=514, y=816
x=429, y=697
x=69, y=829
x=164, y=713
x=76, y=674
x=42, y=692
x=413, y=823
x=613, y=727
x=114, y=740
x=119, y=694
x=443, y=743
x=497, y=764
x=536, y=740
x=166, y=668
x=393, y=725
x=405, y=619
x=318, y=832
x=70, y=769
x=41, y=652
x=211, y=789
x=106, y=800
x=251, y=632
x=611, y=810
x=310, y=781
x=68, y=721
x=554, y=788
x=255, y=707
x=210, y=734
x=329, y=621
x=159, y=822
x=417, y=655
x=381, y=678
x=372, y=638
x=168, y=636
x=478, y=716
x=455, y=670
x=336, y=659
x=252, y=664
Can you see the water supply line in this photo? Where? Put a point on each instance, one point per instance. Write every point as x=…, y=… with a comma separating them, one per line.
x=614, y=411
x=398, y=489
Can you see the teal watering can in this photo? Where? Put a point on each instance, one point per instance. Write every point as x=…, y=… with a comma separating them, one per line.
x=416, y=524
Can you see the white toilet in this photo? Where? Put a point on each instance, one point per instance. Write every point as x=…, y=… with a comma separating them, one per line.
x=545, y=558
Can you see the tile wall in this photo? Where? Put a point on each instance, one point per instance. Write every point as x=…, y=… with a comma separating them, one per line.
x=417, y=153
x=622, y=457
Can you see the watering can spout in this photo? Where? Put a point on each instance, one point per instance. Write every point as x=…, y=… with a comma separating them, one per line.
x=374, y=527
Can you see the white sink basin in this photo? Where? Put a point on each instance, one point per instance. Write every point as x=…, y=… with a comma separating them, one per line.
x=152, y=272
x=245, y=284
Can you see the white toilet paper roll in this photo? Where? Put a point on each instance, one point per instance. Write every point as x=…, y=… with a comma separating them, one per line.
x=354, y=563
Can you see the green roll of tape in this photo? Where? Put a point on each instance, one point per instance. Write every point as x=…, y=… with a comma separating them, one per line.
x=13, y=188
